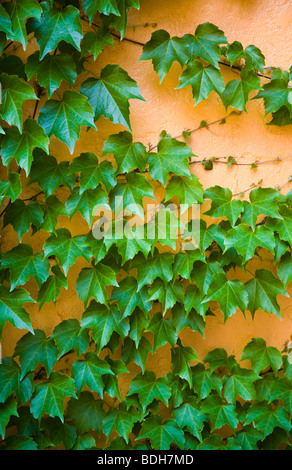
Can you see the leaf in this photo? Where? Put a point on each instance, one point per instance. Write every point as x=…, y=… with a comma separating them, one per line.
x=253, y=57
x=276, y=93
x=52, y=210
x=109, y=95
x=89, y=372
x=20, y=12
x=119, y=21
x=136, y=353
x=164, y=50
x=68, y=335
x=129, y=239
x=236, y=93
x=128, y=155
x=86, y=413
x=14, y=93
x=180, y=358
x=51, y=71
x=129, y=298
x=7, y=409
x=149, y=388
x=163, y=331
x=21, y=146
x=50, y=289
x=20, y=443
x=129, y=195
x=92, y=282
x=284, y=269
x=262, y=292
x=86, y=203
x=265, y=418
x=21, y=216
x=218, y=358
x=60, y=433
x=219, y=412
x=192, y=320
x=94, y=42
x=184, y=262
x=203, y=274
x=64, y=118
x=57, y=25
x=49, y=174
x=120, y=420
x=5, y=21
x=166, y=295
x=49, y=396
x=246, y=241
x=248, y=438
x=92, y=172
x=282, y=390
x=206, y=43
x=262, y=356
x=202, y=80
x=33, y=349
x=11, y=188
x=23, y=264
x=66, y=248
x=189, y=191
x=282, y=227
x=229, y=294
x=262, y=202
x=12, y=310
x=159, y=265
x=222, y=204
x=194, y=300
x=85, y=442
x=138, y=322
x=91, y=7
x=10, y=381
x=171, y=157
x=240, y=383
x=103, y=322
x=188, y=416
x=161, y=434
x=205, y=381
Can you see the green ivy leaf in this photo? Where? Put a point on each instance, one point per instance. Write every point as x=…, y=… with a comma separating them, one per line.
x=171, y=157
x=109, y=95
x=64, y=118
x=148, y=387
x=33, y=349
x=92, y=172
x=163, y=331
x=284, y=226
x=68, y=335
x=245, y=241
x=66, y=248
x=103, y=322
x=219, y=412
x=262, y=292
x=60, y=433
x=237, y=92
x=166, y=295
x=180, y=359
x=22, y=264
x=102, y=6
x=19, y=12
x=94, y=42
x=92, y=282
x=49, y=396
x=159, y=265
x=12, y=308
x=57, y=25
x=240, y=383
x=265, y=418
x=129, y=297
x=10, y=381
x=52, y=70
x=161, y=434
x=119, y=21
x=14, y=93
x=223, y=205
x=120, y=420
x=7, y=409
x=136, y=353
x=282, y=390
x=86, y=413
x=10, y=188
x=284, y=269
x=86, y=203
x=205, y=44
x=262, y=202
x=129, y=155
x=189, y=191
x=50, y=289
x=202, y=80
x=188, y=416
x=89, y=372
x=262, y=356
x=229, y=294
x=164, y=50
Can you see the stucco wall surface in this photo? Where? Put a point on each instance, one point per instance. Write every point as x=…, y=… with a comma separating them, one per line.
x=268, y=25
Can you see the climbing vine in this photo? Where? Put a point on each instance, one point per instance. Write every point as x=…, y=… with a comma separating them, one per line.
x=139, y=292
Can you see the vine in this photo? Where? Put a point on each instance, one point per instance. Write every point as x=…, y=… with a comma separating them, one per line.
x=139, y=293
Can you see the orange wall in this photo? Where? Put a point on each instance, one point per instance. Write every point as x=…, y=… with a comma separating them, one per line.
x=247, y=137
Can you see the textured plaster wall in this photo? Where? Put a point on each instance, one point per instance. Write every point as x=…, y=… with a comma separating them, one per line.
x=247, y=137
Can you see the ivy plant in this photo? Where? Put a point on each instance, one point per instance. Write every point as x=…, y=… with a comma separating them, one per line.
x=138, y=292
